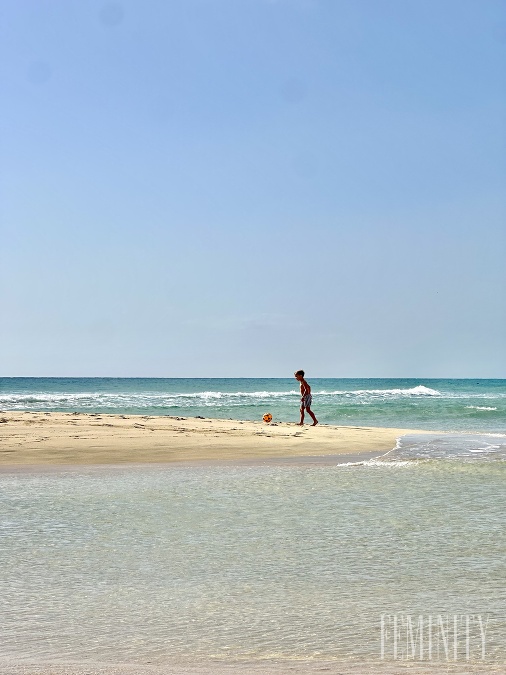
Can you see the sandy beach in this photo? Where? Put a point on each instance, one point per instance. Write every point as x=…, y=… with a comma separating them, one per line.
x=38, y=438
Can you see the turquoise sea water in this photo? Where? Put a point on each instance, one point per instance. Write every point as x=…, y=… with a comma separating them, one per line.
x=155, y=564
x=458, y=405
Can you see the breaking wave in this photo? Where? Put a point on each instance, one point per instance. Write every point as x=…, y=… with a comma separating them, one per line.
x=40, y=400
x=480, y=407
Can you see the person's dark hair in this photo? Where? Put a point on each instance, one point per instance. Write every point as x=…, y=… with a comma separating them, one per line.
x=300, y=372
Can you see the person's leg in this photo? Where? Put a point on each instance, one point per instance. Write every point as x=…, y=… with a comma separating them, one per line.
x=301, y=416
x=315, y=421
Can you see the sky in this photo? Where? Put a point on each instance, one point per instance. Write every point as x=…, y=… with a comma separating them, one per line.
x=242, y=188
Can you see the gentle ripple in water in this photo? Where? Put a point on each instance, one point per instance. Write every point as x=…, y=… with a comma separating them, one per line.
x=141, y=564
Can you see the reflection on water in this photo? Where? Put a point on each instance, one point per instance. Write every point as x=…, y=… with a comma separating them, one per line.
x=144, y=564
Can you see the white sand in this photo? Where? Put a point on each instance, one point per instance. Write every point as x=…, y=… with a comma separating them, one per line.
x=29, y=438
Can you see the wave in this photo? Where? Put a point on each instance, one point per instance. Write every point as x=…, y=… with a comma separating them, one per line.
x=209, y=398
x=57, y=397
x=455, y=446
x=420, y=390
x=480, y=407
x=154, y=399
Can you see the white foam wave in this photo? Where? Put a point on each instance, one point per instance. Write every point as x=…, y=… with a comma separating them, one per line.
x=420, y=390
x=112, y=398
x=117, y=400
x=235, y=394
x=449, y=446
x=210, y=398
x=480, y=407
x=386, y=460
x=392, y=463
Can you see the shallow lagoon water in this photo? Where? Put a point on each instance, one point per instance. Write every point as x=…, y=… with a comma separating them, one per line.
x=148, y=564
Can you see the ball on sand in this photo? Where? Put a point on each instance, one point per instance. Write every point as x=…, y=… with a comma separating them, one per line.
x=267, y=417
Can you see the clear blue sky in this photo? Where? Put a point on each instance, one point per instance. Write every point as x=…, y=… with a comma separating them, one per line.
x=247, y=187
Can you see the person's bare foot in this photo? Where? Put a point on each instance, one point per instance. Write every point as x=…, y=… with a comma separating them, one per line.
x=300, y=424
x=314, y=423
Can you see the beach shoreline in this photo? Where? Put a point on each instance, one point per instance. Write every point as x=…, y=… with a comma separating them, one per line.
x=35, y=439
x=246, y=667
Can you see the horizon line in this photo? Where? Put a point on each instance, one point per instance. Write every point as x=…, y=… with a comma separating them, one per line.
x=243, y=377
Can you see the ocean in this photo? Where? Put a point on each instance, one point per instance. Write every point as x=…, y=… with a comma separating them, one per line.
x=401, y=558
x=456, y=405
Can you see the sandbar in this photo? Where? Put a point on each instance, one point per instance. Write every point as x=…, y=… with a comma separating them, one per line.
x=55, y=438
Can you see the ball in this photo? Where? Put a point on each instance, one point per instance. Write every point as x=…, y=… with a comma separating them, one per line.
x=267, y=417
